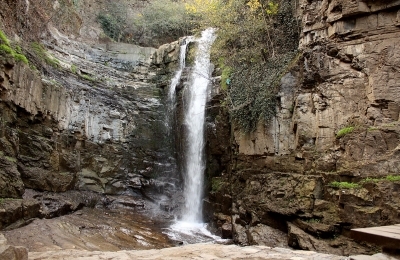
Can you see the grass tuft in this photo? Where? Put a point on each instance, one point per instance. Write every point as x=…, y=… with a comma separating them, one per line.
x=4, y=39
x=40, y=51
x=74, y=69
x=344, y=185
x=87, y=77
x=344, y=131
x=17, y=56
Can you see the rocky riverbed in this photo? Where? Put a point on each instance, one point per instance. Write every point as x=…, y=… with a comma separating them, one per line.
x=96, y=234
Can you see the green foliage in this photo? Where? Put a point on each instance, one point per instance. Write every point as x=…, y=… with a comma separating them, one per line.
x=158, y=22
x=313, y=220
x=165, y=19
x=73, y=68
x=87, y=77
x=257, y=40
x=76, y=3
x=225, y=77
x=10, y=159
x=344, y=185
x=17, y=56
x=4, y=39
x=216, y=184
x=344, y=131
x=16, y=53
x=368, y=180
x=21, y=57
x=390, y=178
x=6, y=48
x=41, y=53
x=114, y=21
x=272, y=8
x=393, y=178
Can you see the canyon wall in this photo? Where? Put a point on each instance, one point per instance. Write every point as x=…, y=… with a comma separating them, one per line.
x=336, y=123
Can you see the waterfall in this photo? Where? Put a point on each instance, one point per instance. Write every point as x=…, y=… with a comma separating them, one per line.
x=190, y=228
x=194, y=119
x=170, y=165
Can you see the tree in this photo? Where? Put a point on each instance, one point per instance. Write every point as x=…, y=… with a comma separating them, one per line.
x=114, y=21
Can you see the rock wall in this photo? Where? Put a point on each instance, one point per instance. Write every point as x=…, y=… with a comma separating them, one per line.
x=337, y=120
x=95, y=122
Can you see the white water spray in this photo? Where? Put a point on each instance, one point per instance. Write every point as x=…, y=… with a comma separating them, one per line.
x=194, y=122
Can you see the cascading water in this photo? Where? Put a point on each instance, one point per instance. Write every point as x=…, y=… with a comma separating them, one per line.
x=178, y=74
x=190, y=228
x=194, y=122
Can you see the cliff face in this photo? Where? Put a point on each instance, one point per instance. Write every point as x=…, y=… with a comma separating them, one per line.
x=92, y=121
x=337, y=120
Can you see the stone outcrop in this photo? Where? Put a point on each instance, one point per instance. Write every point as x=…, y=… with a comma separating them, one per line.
x=337, y=120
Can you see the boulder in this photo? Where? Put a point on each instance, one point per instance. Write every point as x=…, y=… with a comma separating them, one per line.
x=226, y=231
x=10, y=211
x=13, y=252
x=166, y=53
x=299, y=239
x=267, y=236
x=45, y=180
x=8, y=252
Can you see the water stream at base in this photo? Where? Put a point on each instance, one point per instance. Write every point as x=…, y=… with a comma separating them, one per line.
x=190, y=228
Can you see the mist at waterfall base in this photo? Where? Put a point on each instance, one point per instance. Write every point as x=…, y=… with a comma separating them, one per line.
x=190, y=228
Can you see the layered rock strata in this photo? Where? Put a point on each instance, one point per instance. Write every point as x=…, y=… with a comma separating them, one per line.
x=337, y=122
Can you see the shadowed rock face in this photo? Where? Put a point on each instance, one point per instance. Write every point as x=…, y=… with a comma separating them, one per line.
x=347, y=76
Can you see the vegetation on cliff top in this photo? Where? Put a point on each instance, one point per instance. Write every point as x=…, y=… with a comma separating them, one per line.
x=156, y=23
